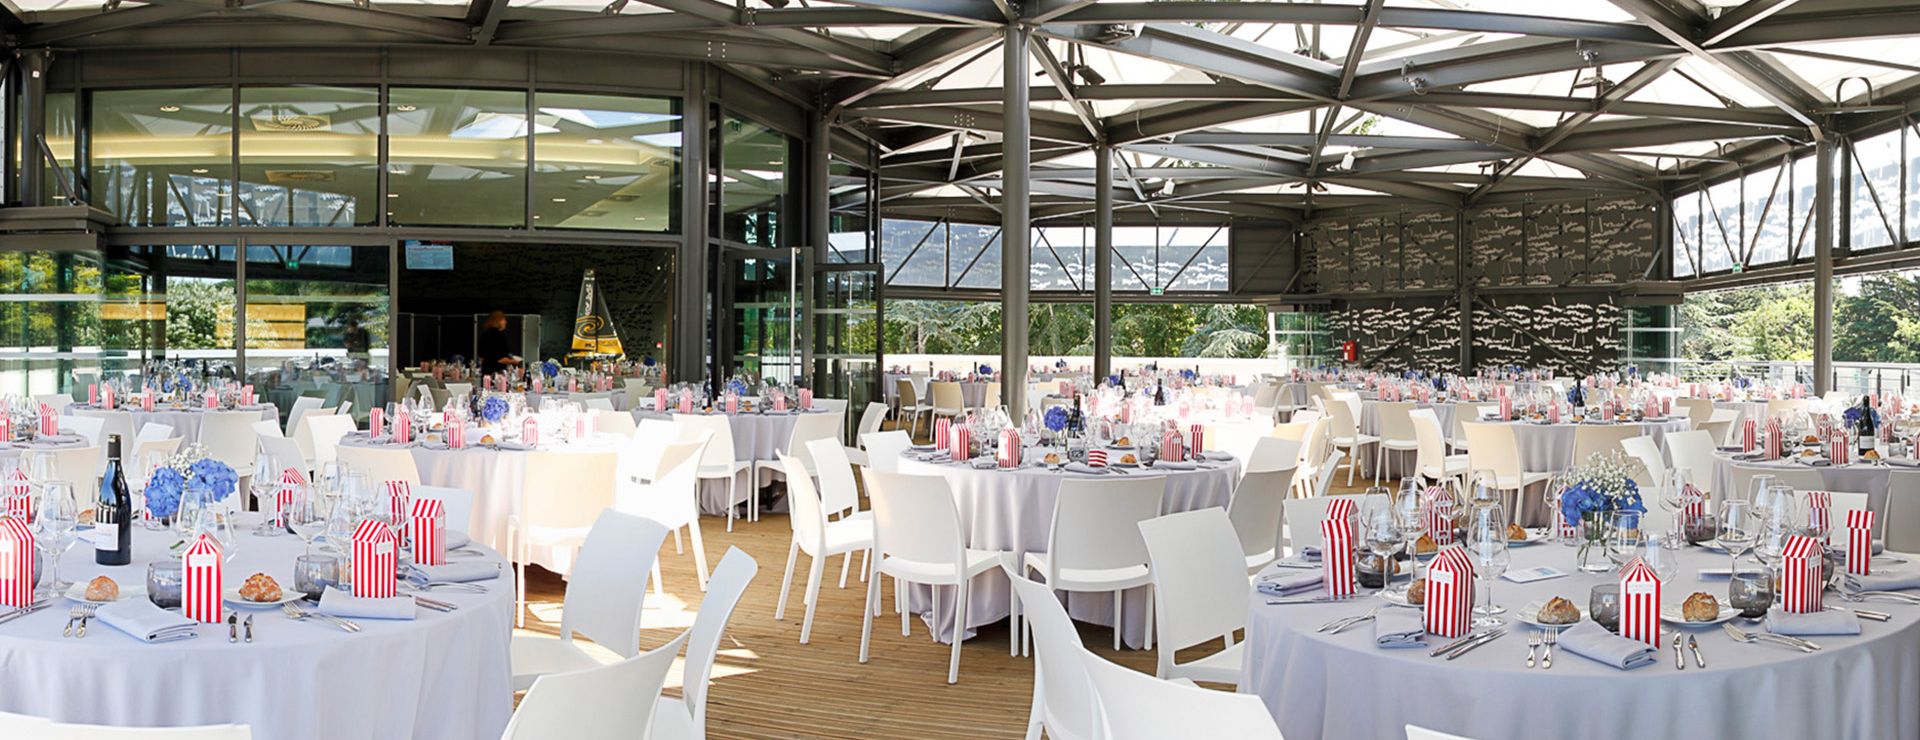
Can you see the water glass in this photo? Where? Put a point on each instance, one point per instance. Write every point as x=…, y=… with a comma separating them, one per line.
x=1603, y=605
x=312, y=573
x=1751, y=592
x=164, y=583
x=56, y=518
x=1486, y=544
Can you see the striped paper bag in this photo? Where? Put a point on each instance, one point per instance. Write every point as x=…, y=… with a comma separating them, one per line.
x=106, y=398
x=211, y=400
x=1640, y=603
x=1009, y=454
x=686, y=401
x=1749, y=439
x=19, y=495
x=942, y=434
x=779, y=400
x=1097, y=458
x=1438, y=510
x=962, y=439
x=375, y=561
x=1336, y=557
x=457, y=434
x=1553, y=412
x=1506, y=409
x=660, y=400
x=93, y=394
x=246, y=395
x=1802, y=582
x=732, y=403
x=49, y=421
x=1837, y=450
x=1775, y=443
x=376, y=421
x=200, y=580
x=427, y=532
x=290, y=481
x=16, y=561
x=1696, y=502
x=806, y=399
x=403, y=427
x=1448, y=607
x=1860, y=542
x=399, y=499
x=146, y=401
x=1198, y=433
x=539, y=385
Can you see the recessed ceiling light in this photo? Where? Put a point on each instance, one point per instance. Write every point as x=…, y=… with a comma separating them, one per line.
x=591, y=177
x=559, y=200
x=595, y=141
x=170, y=109
x=199, y=170
x=639, y=218
x=405, y=108
x=393, y=195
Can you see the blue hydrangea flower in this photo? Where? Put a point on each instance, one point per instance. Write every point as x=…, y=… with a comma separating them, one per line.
x=550, y=368
x=1188, y=373
x=212, y=478
x=648, y=361
x=163, y=492
x=737, y=386
x=986, y=369
x=1056, y=418
x=494, y=409
x=1852, y=416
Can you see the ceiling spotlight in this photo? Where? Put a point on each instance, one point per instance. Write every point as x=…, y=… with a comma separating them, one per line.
x=169, y=109
x=406, y=108
x=1419, y=84
x=1114, y=32
x=1346, y=160
x=110, y=5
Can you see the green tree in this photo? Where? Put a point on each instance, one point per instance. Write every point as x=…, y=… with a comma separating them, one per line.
x=1879, y=324
x=1227, y=330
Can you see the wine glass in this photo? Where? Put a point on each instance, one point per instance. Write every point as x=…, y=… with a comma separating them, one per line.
x=1410, y=519
x=1673, y=498
x=309, y=514
x=1757, y=487
x=1739, y=528
x=264, y=484
x=54, y=522
x=1628, y=537
x=40, y=468
x=1662, y=558
x=1380, y=532
x=1486, y=542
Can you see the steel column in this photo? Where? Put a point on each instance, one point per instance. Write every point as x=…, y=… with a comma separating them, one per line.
x=1014, y=217
x=1103, y=262
x=1823, y=248
x=819, y=230
x=688, y=352
x=33, y=125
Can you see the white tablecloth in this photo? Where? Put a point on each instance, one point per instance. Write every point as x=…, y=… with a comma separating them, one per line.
x=1855, y=478
x=1322, y=685
x=494, y=476
x=617, y=397
x=186, y=423
x=442, y=675
x=756, y=437
x=1549, y=447
x=1013, y=510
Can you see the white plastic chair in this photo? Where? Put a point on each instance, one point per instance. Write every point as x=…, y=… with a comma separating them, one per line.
x=685, y=718
x=1693, y=451
x=908, y=402
x=80, y=467
x=604, y=597
x=302, y=432
x=616, y=423
x=326, y=430
x=229, y=438
x=806, y=428
x=301, y=407
x=641, y=452
x=602, y=702
x=885, y=448
x=597, y=403
x=1396, y=434
x=64, y=731
x=1721, y=425
x=563, y=494
x=917, y=539
x=456, y=390
x=818, y=538
x=1062, y=700
x=1902, y=531
x=1491, y=447
x=267, y=428
x=671, y=497
x=1256, y=512
x=1643, y=449
x=718, y=462
x=839, y=492
x=1591, y=439
x=1463, y=412
x=1696, y=410
x=870, y=420
x=1200, y=590
x=1434, y=463
x=1273, y=453
x=948, y=400
x=455, y=503
x=381, y=463
x=1093, y=543
x=151, y=431
x=285, y=454
x=136, y=464
x=637, y=391
x=1136, y=706
x=88, y=427
x=1345, y=434
x=25, y=727
x=59, y=401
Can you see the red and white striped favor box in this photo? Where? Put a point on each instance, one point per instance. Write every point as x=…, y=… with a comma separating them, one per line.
x=146, y=400
x=732, y=403
x=1506, y=409
x=538, y=384
x=1696, y=502
x=399, y=499
x=403, y=427
x=375, y=561
x=211, y=400
x=1837, y=451
x=427, y=532
x=486, y=382
x=942, y=433
x=246, y=395
x=106, y=398
x=1448, y=607
x=16, y=561
x=1440, y=512
x=1009, y=454
x=456, y=434
x=93, y=394
x=962, y=439
x=19, y=495
x=660, y=400
x=530, y=431
x=573, y=384
x=1860, y=542
x=1336, y=557
x=1749, y=438
x=290, y=481
x=806, y=399
x=1640, y=603
x=583, y=425
x=1553, y=413
x=376, y=421
x=1097, y=458
x=779, y=401
x=1775, y=442
x=686, y=401
x=200, y=580
x=1198, y=434
x=1819, y=508
x=49, y=421
x=1802, y=582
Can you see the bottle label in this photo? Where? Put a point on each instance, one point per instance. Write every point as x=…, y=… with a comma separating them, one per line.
x=106, y=536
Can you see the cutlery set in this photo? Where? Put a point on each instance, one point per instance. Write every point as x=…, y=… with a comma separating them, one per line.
x=1467, y=644
x=1542, y=639
x=77, y=620
x=1739, y=635
x=1691, y=643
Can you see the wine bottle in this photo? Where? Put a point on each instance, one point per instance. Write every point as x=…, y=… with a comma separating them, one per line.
x=1864, y=427
x=112, y=537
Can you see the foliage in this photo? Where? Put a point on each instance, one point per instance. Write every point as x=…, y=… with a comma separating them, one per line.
x=1876, y=323
x=1056, y=329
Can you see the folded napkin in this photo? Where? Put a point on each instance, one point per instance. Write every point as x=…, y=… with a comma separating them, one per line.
x=1590, y=640
x=338, y=603
x=1885, y=581
x=1399, y=628
x=460, y=572
x=1217, y=456
x=145, y=622
x=515, y=446
x=1289, y=584
x=1080, y=467
x=1310, y=554
x=1832, y=622
x=434, y=445
x=456, y=540
x=1176, y=464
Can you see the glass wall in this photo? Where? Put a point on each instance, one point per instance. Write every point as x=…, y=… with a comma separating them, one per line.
x=606, y=162
x=457, y=157
x=850, y=213
x=317, y=323
x=309, y=156
x=65, y=319
x=1146, y=259
x=757, y=164
x=163, y=157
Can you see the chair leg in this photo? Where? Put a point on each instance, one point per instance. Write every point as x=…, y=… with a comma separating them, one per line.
x=1353, y=463
x=520, y=603
x=753, y=494
x=676, y=543
x=959, y=630
x=1036, y=717
x=786, y=581
x=866, y=617
x=846, y=563
x=1119, y=598
x=1150, y=610
x=863, y=565
x=1013, y=625
x=659, y=588
x=815, y=573
x=699, y=551
x=899, y=599
x=730, y=504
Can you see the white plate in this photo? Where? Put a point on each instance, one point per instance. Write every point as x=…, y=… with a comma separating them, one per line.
x=1532, y=538
x=78, y=592
x=1673, y=615
x=1397, y=599
x=1529, y=613
x=232, y=597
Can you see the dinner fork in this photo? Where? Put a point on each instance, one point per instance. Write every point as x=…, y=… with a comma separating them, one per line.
x=298, y=614
x=1342, y=623
x=1553, y=638
x=86, y=615
x=1740, y=636
x=73, y=618
x=1533, y=643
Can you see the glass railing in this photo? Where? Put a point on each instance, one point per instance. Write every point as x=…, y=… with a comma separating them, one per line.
x=1852, y=378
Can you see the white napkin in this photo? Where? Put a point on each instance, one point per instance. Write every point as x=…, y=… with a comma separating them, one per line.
x=514, y=446
x=1816, y=623
x=1399, y=628
x=1176, y=464
x=1290, y=584
x=1885, y=581
x=338, y=603
x=457, y=539
x=1590, y=640
x=1217, y=456
x=460, y=572
x=143, y=621
x=1080, y=467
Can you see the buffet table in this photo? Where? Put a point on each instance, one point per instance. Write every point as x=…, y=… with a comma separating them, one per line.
x=1013, y=510
x=440, y=675
x=1340, y=685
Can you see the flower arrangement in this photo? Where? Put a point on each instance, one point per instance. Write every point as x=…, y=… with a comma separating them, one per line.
x=1599, y=487
x=1055, y=418
x=1060, y=364
x=163, y=492
x=648, y=361
x=1743, y=382
x=550, y=369
x=211, y=479
x=1853, y=413
x=494, y=409
x=1188, y=374
x=986, y=369
x=737, y=386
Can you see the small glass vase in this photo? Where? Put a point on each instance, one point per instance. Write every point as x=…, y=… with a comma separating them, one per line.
x=1595, y=531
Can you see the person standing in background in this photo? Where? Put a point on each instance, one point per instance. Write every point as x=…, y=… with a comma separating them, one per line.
x=495, y=354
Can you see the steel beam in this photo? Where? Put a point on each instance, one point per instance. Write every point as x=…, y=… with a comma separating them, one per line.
x=1498, y=60
x=1015, y=221
x=1218, y=53
x=1102, y=263
x=959, y=11
x=524, y=31
x=1901, y=19
x=1181, y=118
x=1680, y=29
x=926, y=51
x=483, y=16
x=1057, y=73
x=1045, y=124
x=1740, y=17
x=1824, y=246
x=1442, y=19
x=729, y=16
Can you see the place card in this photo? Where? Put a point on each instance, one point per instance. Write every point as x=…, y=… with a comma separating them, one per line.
x=1529, y=575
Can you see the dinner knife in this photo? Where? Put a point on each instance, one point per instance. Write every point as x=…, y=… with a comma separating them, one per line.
x=1471, y=636
x=25, y=610
x=1698, y=659
x=1469, y=647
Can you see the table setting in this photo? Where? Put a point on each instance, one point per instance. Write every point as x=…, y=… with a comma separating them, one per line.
x=1781, y=604
x=333, y=595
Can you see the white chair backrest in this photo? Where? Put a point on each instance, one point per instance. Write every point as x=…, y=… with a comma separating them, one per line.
x=65, y=731
x=809, y=427
x=1305, y=416
x=301, y=407
x=1421, y=733
x=1642, y=448
x=1345, y=415
x=228, y=437
x=1464, y=412
x=838, y=491
x=640, y=453
x=1302, y=520
x=136, y=465
x=456, y=390
x=285, y=454
x=150, y=431
x=720, y=446
x=673, y=496
x=302, y=432
x=1902, y=531
x=80, y=467
x=724, y=588
x=615, y=700
x=1096, y=523
x=346, y=408
x=947, y=397
x=617, y=423
x=904, y=393
x=884, y=449
x=59, y=401
x=456, y=503
x=1273, y=453
x=870, y=420
x=1063, y=680
x=1433, y=442
x=1492, y=446
x=1199, y=577
x=914, y=520
x=1256, y=509
x=326, y=431
x=1693, y=451
x=1138, y=706
x=89, y=427
x=597, y=403
x=1592, y=439
x=808, y=516
x=119, y=423
x=382, y=463
x=1697, y=410
x=608, y=584
x=831, y=405
x=1264, y=394
x=1395, y=424
x=267, y=428
x=637, y=390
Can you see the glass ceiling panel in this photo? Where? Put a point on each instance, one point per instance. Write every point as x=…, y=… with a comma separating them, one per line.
x=1592, y=10
x=1676, y=88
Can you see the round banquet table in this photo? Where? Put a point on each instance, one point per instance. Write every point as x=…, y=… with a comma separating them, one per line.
x=1549, y=447
x=18, y=450
x=1867, y=478
x=186, y=422
x=1340, y=685
x=756, y=437
x=494, y=475
x=440, y=675
x=1013, y=511
x=617, y=397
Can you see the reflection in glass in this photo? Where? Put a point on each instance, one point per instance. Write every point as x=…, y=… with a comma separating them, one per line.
x=317, y=324
x=457, y=157
x=605, y=162
x=163, y=157
x=309, y=156
x=757, y=162
x=850, y=213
